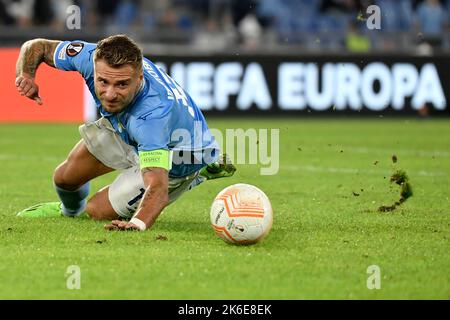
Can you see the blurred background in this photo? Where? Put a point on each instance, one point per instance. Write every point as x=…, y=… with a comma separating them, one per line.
x=335, y=31
x=256, y=25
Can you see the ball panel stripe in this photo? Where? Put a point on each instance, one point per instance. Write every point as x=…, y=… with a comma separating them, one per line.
x=223, y=230
x=248, y=215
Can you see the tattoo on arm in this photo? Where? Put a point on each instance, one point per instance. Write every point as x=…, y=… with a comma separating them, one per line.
x=33, y=53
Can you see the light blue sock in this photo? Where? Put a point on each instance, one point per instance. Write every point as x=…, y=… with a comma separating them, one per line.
x=73, y=202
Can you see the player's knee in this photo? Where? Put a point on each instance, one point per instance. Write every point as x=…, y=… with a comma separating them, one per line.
x=62, y=180
x=59, y=177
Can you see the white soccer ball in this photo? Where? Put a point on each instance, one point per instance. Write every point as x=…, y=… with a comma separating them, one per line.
x=241, y=214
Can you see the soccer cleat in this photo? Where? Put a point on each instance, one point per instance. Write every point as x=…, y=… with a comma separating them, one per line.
x=219, y=169
x=48, y=209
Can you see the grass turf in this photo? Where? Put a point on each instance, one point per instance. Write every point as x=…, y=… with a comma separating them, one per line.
x=333, y=176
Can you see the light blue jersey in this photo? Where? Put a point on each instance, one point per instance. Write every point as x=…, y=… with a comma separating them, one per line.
x=162, y=115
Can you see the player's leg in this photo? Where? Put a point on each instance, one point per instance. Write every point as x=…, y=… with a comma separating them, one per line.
x=71, y=178
x=79, y=168
x=99, y=207
x=100, y=151
x=181, y=185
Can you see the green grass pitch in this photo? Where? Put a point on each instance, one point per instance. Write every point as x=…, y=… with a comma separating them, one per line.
x=333, y=176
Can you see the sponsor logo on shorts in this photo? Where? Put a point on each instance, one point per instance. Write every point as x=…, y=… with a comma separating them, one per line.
x=74, y=48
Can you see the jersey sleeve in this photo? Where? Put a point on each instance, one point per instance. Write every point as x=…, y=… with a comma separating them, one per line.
x=75, y=56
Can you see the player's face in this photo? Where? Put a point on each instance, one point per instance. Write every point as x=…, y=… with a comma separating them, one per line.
x=116, y=87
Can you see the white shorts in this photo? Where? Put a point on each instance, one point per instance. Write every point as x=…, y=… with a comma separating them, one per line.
x=128, y=188
x=107, y=146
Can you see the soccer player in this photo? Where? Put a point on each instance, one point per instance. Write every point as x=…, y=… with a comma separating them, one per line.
x=150, y=128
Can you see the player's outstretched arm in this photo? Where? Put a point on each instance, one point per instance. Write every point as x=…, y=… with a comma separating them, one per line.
x=155, y=199
x=32, y=54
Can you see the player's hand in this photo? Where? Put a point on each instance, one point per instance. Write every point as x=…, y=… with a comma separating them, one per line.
x=27, y=87
x=121, y=226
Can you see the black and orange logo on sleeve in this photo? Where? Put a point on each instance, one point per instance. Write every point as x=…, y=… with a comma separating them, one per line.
x=74, y=48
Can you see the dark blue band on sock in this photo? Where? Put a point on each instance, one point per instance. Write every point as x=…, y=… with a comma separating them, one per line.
x=73, y=202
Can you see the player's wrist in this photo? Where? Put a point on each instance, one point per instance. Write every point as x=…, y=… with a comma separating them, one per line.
x=138, y=223
x=26, y=75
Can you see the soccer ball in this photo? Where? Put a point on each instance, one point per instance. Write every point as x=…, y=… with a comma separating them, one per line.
x=241, y=214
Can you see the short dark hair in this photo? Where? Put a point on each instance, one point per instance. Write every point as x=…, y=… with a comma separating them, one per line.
x=119, y=50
